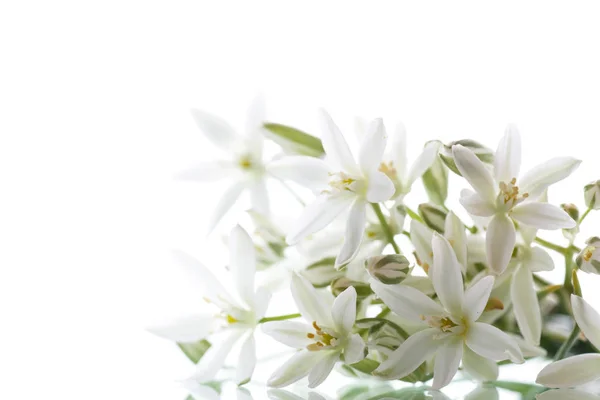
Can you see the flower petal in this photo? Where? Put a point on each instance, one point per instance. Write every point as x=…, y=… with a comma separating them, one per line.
x=277, y=394
x=310, y=172
x=354, y=350
x=566, y=394
x=214, y=358
x=490, y=342
x=318, y=215
x=290, y=333
x=542, y=216
x=421, y=237
x=447, y=360
x=587, y=319
x=321, y=371
x=186, y=330
x=475, y=172
x=525, y=305
x=406, y=358
x=475, y=204
x=243, y=394
x=507, y=160
x=372, y=147
x=295, y=368
x=242, y=264
x=256, y=116
x=246, y=360
x=208, y=285
x=539, y=260
x=227, y=200
x=205, y=172
x=476, y=298
x=500, y=241
x=480, y=368
x=355, y=231
x=572, y=371
x=217, y=130
x=313, y=305
x=455, y=232
x=540, y=177
x=422, y=163
x=483, y=393
x=398, y=150
x=406, y=301
x=259, y=196
x=446, y=275
x=335, y=145
x=343, y=311
x=381, y=188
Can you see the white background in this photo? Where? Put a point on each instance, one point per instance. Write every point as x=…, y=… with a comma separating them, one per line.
x=94, y=121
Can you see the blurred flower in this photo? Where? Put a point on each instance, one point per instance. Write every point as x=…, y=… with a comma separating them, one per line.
x=238, y=315
x=512, y=201
x=322, y=342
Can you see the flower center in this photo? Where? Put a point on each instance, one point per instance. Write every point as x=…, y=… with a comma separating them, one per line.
x=445, y=324
x=388, y=169
x=588, y=252
x=322, y=339
x=509, y=192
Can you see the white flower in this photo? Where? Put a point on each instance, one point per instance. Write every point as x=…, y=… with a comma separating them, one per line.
x=351, y=185
x=244, y=163
x=395, y=162
x=505, y=198
x=589, y=258
x=237, y=316
x=454, y=231
x=591, y=194
x=451, y=331
x=583, y=368
x=522, y=289
x=325, y=340
x=278, y=394
x=566, y=394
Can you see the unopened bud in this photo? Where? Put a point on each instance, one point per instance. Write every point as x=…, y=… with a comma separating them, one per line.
x=591, y=193
x=434, y=216
x=588, y=259
x=572, y=210
x=435, y=180
x=322, y=272
x=485, y=154
x=362, y=289
x=388, y=269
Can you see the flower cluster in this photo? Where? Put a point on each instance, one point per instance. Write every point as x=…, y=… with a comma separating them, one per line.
x=460, y=293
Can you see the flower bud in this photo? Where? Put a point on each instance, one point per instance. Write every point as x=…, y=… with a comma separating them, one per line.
x=572, y=210
x=589, y=258
x=340, y=284
x=591, y=193
x=388, y=269
x=433, y=216
x=322, y=272
x=435, y=180
x=485, y=154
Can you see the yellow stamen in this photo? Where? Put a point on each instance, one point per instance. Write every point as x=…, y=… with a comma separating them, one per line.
x=494, y=304
x=231, y=320
x=588, y=253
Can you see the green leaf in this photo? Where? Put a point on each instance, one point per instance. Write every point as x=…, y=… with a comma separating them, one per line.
x=366, y=366
x=194, y=351
x=294, y=141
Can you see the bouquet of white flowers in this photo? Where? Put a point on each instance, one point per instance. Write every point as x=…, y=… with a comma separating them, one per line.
x=464, y=296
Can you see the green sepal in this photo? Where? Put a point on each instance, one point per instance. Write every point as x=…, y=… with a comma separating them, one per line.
x=294, y=141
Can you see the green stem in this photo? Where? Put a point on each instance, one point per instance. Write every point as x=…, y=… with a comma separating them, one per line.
x=568, y=284
x=566, y=346
x=585, y=214
x=279, y=318
x=551, y=246
x=413, y=214
x=386, y=227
